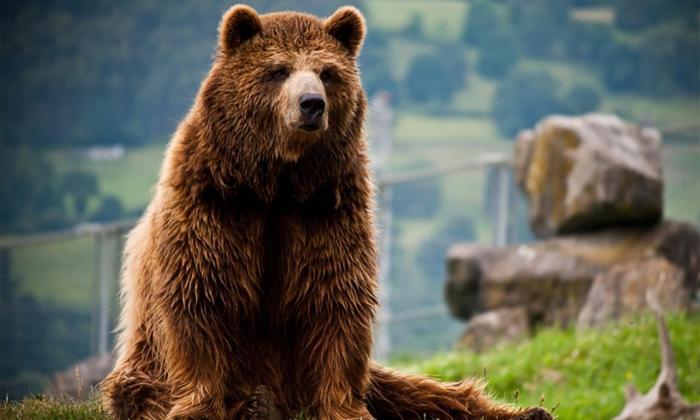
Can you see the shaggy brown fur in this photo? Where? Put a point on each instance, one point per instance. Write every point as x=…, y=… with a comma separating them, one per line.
x=249, y=284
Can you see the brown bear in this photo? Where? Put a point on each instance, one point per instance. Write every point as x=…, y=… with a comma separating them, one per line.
x=249, y=285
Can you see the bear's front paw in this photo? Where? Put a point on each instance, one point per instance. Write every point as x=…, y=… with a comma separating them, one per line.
x=196, y=407
x=534, y=413
x=261, y=405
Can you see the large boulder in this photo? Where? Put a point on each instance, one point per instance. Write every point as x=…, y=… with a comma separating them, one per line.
x=622, y=291
x=581, y=173
x=492, y=328
x=551, y=285
x=551, y=278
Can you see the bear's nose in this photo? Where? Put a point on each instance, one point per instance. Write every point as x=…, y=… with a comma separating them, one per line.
x=312, y=105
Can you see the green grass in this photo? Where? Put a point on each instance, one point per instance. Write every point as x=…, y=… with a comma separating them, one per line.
x=583, y=374
x=37, y=408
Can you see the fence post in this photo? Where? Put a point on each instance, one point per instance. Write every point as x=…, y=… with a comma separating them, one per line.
x=5, y=276
x=108, y=247
x=501, y=225
x=381, y=119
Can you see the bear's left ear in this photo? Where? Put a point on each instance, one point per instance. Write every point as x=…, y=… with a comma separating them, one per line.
x=347, y=25
x=238, y=25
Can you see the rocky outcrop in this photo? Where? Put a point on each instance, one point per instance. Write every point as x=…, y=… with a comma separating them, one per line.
x=589, y=172
x=551, y=285
x=552, y=278
x=594, y=188
x=492, y=328
x=621, y=291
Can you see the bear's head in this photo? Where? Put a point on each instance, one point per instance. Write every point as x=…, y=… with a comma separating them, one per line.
x=285, y=83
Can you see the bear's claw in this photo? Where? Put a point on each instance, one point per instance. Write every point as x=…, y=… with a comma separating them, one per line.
x=261, y=405
x=535, y=413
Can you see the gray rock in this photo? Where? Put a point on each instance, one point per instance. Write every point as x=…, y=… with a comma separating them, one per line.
x=551, y=278
x=581, y=173
x=492, y=328
x=621, y=291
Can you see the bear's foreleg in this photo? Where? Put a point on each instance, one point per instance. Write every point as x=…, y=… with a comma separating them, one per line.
x=339, y=273
x=206, y=286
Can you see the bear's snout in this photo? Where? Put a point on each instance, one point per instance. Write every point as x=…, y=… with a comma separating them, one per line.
x=311, y=107
x=306, y=103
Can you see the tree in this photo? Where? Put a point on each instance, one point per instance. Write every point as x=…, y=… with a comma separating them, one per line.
x=670, y=61
x=587, y=41
x=416, y=200
x=436, y=76
x=482, y=18
x=620, y=68
x=110, y=208
x=523, y=98
x=581, y=99
x=538, y=25
x=29, y=193
x=432, y=253
x=376, y=70
x=637, y=15
x=80, y=187
x=498, y=55
x=414, y=28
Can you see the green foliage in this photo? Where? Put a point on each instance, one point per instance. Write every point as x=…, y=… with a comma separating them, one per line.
x=488, y=31
x=582, y=374
x=81, y=72
x=431, y=253
x=436, y=76
x=376, y=68
x=405, y=205
x=79, y=186
x=499, y=55
x=635, y=15
x=538, y=25
x=587, y=42
x=581, y=99
x=110, y=208
x=523, y=98
x=482, y=17
x=662, y=60
x=29, y=192
x=414, y=28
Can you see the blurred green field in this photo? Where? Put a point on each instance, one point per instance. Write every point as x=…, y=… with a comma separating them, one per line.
x=130, y=179
x=442, y=19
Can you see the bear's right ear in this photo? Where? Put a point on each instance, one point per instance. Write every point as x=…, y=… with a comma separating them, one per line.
x=239, y=24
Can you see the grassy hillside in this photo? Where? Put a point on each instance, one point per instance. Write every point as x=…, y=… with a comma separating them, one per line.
x=582, y=375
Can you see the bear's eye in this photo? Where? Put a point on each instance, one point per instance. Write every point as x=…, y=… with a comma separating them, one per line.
x=278, y=74
x=328, y=75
